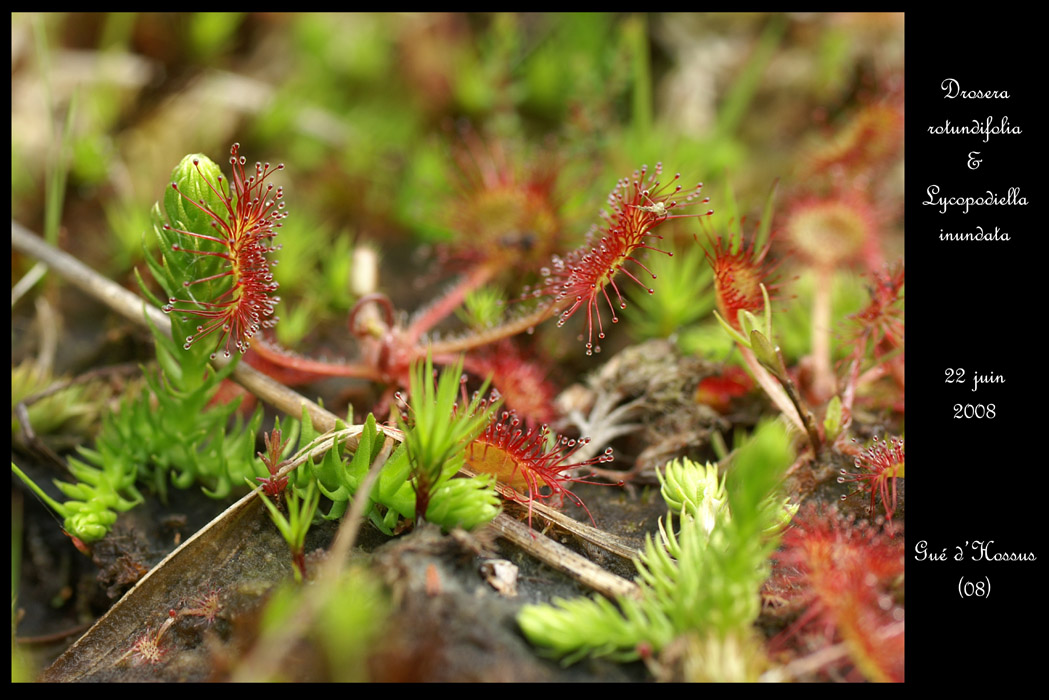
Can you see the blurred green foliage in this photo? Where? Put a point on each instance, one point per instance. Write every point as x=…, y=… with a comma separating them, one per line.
x=794, y=322
x=361, y=105
x=74, y=409
x=346, y=619
x=685, y=293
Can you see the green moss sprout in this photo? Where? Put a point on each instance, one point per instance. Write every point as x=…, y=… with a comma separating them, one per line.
x=436, y=440
x=701, y=576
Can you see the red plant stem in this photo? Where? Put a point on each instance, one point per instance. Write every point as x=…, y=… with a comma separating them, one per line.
x=327, y=369
x=444, y=306
x=490, y=335
x=381, y=300
x=856, y=380
x=298, y=561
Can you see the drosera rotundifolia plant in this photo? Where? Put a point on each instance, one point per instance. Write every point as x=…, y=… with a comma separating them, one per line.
x=515, y=429
x=581, y=281
x=226, y=273
x=215, y=251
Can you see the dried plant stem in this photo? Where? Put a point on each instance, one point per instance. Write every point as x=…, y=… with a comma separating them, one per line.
x=72, y=270
x=26, y=283
x=48, y=322
x=564, y=559
x=583, y=531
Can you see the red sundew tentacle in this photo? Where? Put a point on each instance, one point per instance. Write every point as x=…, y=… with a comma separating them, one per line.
x=879, y=466
x=642, y=265
x=522, y=459
x=195, y=235
x=611, y=307
x=220, y=275
x=844, y=572
x=637, y=206
x=218, y=254
x=628, y=274
x=738, y=276
x=242, y=310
